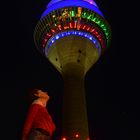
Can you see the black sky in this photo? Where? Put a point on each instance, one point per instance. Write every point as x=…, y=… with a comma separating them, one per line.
x=112, y=85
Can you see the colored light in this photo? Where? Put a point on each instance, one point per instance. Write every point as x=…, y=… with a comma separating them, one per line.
x=76, y=24
x=85, y=35
x=77, y=3
x=84, y=15
x=72, y=13
x=77, y=135
x=64, y=138
x=85, y=27
x=48, y=35
x=88, y=28
x=59, y=26
x=73, y=21
x=52, y=41
x=75, y=33
x=90, y=38
x=57, y=37
x=89, y=17
x=71, y=25
x=79, y=11
x=53, y=30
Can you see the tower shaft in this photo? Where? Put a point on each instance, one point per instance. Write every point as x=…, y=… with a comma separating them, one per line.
x=75, y=120
x=72, y=57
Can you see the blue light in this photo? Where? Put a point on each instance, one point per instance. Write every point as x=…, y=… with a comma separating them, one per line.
x=75, y=33
x=69, y=3
x=57, y=37
x=79, y=33
x=90, y=38
x=55, y=1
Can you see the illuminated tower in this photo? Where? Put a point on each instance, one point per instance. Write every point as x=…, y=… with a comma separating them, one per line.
x=72, y=35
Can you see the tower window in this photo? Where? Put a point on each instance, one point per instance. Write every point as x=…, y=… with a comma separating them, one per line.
x=79, y=51
x=78, y=60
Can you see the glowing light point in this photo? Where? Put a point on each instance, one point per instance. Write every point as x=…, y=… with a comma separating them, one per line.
x=77, y=136
x=90, y=38
x=57, y=37
x=64, y=138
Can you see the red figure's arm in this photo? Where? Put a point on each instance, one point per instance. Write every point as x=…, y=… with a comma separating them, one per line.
x=29, y=120
x=51, y=124
x=53, y=127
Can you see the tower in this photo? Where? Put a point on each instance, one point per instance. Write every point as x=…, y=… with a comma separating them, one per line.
x=72, y=35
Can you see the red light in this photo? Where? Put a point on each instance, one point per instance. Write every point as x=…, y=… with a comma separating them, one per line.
x=48, y=35
x=64, y=138
x=45, y=40
x=88, y=28
x=75, y=24
x=96, y=33
x=70, y=24
x=53, y=31
x=77, y=135
x=66, y=27
x=84, y=27
x=78, y=26
x=92, y=30
x=59, y=27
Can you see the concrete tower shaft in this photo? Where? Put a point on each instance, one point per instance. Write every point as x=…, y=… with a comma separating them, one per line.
x=72, y=34
x=73, y=50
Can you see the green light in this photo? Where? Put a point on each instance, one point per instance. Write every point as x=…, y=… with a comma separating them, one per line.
x=102, y=25
x=84, y=15
x=107, y=34
x=89, y=17
x=72, y=13
x=93, y=18
x=98, y=22
x=53, y=19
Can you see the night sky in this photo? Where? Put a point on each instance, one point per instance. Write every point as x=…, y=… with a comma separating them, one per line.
x=112, y=84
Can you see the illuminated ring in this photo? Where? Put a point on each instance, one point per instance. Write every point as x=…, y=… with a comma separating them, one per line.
x=53, y=23
x=73, y=33
x=83, y=27
x=63, y=4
